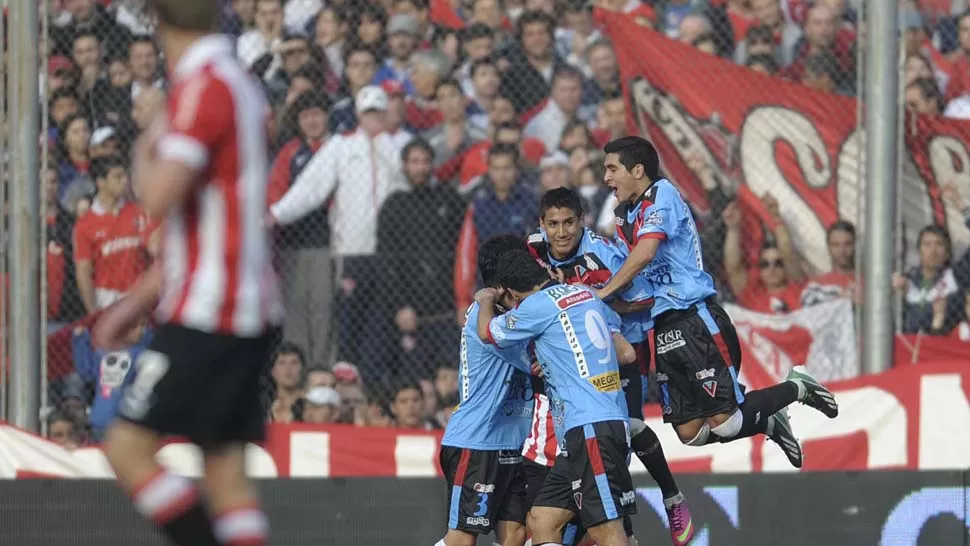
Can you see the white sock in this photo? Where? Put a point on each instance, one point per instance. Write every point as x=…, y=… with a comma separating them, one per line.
x=441, y=543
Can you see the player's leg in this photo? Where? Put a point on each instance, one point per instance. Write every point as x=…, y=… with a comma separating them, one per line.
x=605, y=494
x=236, y=419
x=474, y=495
x=160, y=402
x=512, y=510
x=554, y=506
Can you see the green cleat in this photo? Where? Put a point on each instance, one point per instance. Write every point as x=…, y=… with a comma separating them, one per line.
x=780, y=432
x=812, y=393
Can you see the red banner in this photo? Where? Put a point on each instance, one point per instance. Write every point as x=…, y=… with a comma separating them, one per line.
x=768, y=135
x=889, y=421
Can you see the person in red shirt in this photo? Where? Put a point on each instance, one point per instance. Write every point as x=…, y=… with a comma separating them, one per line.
x=776, y=285
x=840, y=282
x=109, y=241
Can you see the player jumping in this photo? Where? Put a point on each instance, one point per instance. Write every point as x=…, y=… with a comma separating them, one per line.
x=697, y=348
x=203, y=169
x=572, y=332
x=481, y=449
x=586, y=258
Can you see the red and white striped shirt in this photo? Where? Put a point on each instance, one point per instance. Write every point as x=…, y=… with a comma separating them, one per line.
x=541, y=446
x=216, y=252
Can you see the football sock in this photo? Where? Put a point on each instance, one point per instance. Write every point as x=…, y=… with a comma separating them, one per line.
x=441, y=543
x=647, y=447
x=173, y=504
x=760, y=404
x=242, y=526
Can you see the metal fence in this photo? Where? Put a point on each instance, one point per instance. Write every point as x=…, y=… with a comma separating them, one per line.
x=511, y=103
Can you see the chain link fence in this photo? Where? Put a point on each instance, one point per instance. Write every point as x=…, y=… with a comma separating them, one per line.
x=752, y=103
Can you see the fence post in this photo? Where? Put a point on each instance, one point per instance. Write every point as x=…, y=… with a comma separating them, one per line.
x=881, y=91
x=24, y=243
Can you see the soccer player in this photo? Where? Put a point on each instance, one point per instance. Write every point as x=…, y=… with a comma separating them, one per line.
x=481, y=449
x=584, y=257
x=572, y=333
x=697, y=348
x=203, y=168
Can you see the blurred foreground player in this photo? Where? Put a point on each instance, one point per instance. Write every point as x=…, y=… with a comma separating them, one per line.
x=583, y=257
x=203, y=169
x=698, y=355
x=481, y=450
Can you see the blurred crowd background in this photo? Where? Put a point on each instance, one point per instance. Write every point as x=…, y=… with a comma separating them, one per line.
x=491, y=103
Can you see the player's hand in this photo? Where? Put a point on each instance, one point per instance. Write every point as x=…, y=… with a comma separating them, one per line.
x=732, y=215
x=486, y=296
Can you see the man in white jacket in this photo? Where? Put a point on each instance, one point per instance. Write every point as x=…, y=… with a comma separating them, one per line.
x=356, y=170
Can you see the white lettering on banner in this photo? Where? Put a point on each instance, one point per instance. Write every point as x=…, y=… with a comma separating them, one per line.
x=946, y=153
x=415, y=456
x=309, y=454
x=944, y=419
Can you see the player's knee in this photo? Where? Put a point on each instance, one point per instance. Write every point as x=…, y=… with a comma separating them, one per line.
x=692, y=436
x=455, y=537
x=730, y=427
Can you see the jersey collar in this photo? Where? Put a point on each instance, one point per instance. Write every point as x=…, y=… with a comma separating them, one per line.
x=202, y=51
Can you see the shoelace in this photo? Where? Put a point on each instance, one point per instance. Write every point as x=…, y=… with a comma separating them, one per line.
x=677, y=516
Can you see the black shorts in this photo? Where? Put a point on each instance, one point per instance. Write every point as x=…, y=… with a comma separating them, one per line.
x=535, y=476
x=633, y=379
x=698, y=357
x=484, y=487
x=201, y=386
x=591, y=477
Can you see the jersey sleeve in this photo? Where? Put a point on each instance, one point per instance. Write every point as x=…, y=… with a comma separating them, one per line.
x=519, y=325
x=200, y=115
x=659, y=220
x=613, y=320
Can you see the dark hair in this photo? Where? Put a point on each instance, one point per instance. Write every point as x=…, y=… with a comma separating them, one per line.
x=448, y=82
x=840, y=225
x=577, y=6
x=476, y=31
x=311, y=99
x=339, y=15
x=405, y=386
x=760, y=32
x=194, y=16
x=356, y=46
x=143, y=39
x=768, y=61
x=930, y=91
x=290, y=348
x=533, y=17
x=58, y=416
x=519, y=271
x=64, y=93
x=503, y=149
x=479, y=64
x=566, y=71
x=822, y=64
x=102, y=166
x=633, y=151
x=561, y=198
x=374, y=12
x=84, y=34
x=68, y=121
x=417, y=143
x=491, y=251
x=940, y=231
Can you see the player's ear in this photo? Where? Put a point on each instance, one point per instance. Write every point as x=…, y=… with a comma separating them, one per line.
x=638, y=171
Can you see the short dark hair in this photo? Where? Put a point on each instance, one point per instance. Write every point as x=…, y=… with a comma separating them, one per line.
x=84, y=34
x=503, y=149
x=768, y=61
x=374, y=12
x=841, y=225
x=405, y=386
x=491, y=251
x=102, y=166
x=567, y=71
x=311, y=99
x=633, y=151
x=64, y=93
x=508, y=126
x=476, y=31
x=417, y=143
x=759, y=32
x=448, y=82
x=143, y=39
x=561, y=198
x=287, y=347
x=940, y=231
x=481, y=63
x=519, y=271
x=193, y=16
x=533, y=17
x=356, y=46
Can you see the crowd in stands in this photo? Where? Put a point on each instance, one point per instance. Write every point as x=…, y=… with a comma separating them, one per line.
x=489, y=104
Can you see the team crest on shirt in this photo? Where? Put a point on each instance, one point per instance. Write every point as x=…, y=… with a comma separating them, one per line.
x=510, y=321
x=710, y=387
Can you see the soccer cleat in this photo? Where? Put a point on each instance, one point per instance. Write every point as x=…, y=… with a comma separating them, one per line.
x=812, y=393
x=678, y=517
x=780, y=432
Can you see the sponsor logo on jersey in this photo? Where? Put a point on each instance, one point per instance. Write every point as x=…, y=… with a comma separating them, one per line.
x=606, y=382
x=577, y=484
x=566, y=302
x=705, y=374
x=669, y=340
x=484, y=488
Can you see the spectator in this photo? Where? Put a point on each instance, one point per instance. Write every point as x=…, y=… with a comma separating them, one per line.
x=474, y=164
x=62, y=105
x=485, y=80
x=294, y=53
x=821, y=38
x=478, y=45
x=504, y=204
x=933, y=301
x=335, y=172
x=63, y=300
x=610, y=119
x=706, y=43
x=297, y=14
x=74, y=137
x=109, y=241
x=88, y=56
x=72, y=402
x=528, y=79
x=446, y=408
x=264, y=38
x=354, y=407
x=87, y=16
x=923, y=97
x=445, y=382
x=765, y=64
x=785, y=35
x=64, y=431
x=420, y=10
x=777, y=284
x=61, y=74
x=417, y=234
x=368, y=22
x=692, y=27
x=822, y=74
x=553, y=172
x=760, y=40
x=448, y=41
x=840, y=282
x=428, y=69
x=321, y=406
x=402, y=38
x=104, y=143
x=407, y=406
x=962, y=330
x=959, y=83
x=330, y=35
x=143, y=59
x=490, y=14
x=576, y=34
x=306, y=260
x=397, y=106
x=360, y=66
x=320, y=377
x=916, y=67
x=454, y=135
x=575, y=134
x=287, y=373
x=605, y=76
x=563, y=106
x=109, y=372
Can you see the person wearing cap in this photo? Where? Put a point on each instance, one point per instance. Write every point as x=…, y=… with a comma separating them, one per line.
x=60, y=74
x=402, y=40
x=554, y=171
x=306, y=259
x=104, y=142
x=366, y=157
x=322, y=405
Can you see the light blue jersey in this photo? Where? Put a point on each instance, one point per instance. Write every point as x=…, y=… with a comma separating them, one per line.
x=593, y=263
x=676, y=273
x=572, y=333
x=495, y=390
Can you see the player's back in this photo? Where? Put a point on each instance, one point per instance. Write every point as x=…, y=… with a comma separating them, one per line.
x=216, y=248
x=676, y=274
x=577, y=356
x=495, y=393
